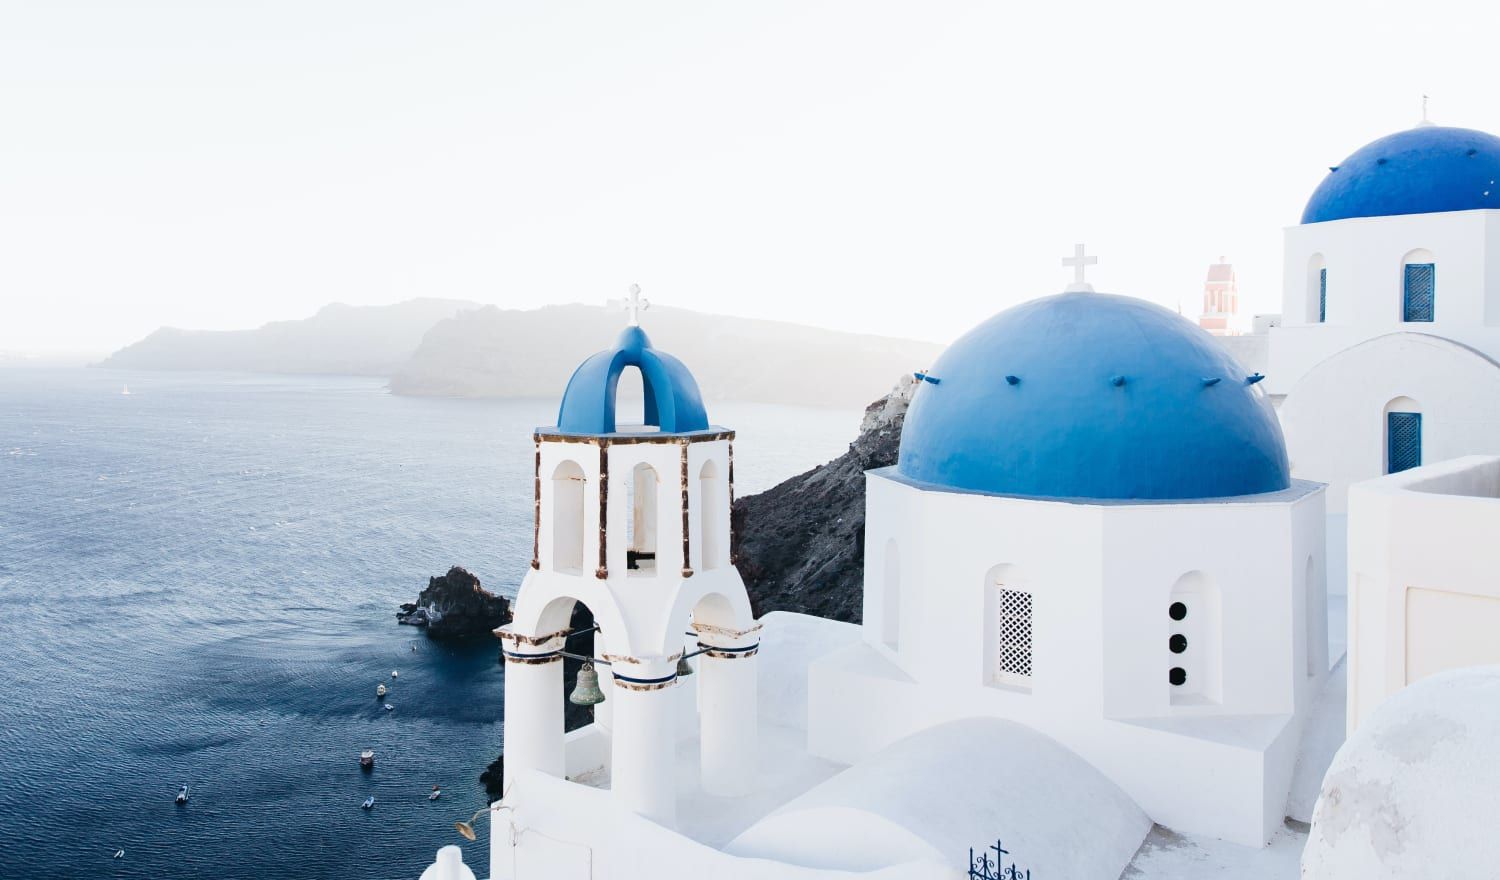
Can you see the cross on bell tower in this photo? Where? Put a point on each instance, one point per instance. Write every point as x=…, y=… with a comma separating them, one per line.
x=634, y=305
x=1079, y=262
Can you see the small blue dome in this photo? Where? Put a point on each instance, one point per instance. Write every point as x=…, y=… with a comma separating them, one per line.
x=672, y=400
x=1093, y=396
x=1423, y=170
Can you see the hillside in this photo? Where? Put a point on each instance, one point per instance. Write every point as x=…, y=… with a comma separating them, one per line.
x=492, y=352
x=353, y=340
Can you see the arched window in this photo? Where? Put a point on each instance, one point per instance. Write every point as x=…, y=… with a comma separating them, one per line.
x=1403, y=435
x=1418, y=286
x=890, y=613
x=710, y=511
x=567, y=518
x=640, y=531
x=1317, y=289
x=1194, y=647
x=1008, y=628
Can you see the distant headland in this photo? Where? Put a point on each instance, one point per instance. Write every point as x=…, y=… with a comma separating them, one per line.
x=453, y=348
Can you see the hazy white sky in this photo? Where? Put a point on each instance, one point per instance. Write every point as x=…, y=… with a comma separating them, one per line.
x=903, y=168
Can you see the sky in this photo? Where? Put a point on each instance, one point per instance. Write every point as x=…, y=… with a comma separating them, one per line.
x=896, y=168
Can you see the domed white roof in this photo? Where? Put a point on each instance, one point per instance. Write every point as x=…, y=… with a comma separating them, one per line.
x=1415, y=792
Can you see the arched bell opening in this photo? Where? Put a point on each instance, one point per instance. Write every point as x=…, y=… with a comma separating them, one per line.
x=641, y=526
x=567, y=502
x=712, y=514
x=1194, y=648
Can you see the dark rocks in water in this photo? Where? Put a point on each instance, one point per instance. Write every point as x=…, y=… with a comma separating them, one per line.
x=800, y=545
x=455, y=606
x=574, y=717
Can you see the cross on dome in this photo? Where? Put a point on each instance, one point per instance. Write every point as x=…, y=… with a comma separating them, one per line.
x=1079, y=261
x=1425, y=120
x=634, y=305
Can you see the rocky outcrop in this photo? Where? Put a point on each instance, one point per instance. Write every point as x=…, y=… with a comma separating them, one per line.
x=800, y=545
x=455, y=606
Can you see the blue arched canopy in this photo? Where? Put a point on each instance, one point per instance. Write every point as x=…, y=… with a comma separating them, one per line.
x=673, y=402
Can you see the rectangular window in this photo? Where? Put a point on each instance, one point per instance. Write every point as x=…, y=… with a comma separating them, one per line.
x=1013, y=654
x=1419, y=291
x=1403, y=441
x=1322, y=295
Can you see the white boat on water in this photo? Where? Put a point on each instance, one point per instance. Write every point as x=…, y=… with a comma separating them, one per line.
x=367, y=758
x=389, y=707
x=436, y=793
x=380, y=689
x=182, y=795
x=369, y=803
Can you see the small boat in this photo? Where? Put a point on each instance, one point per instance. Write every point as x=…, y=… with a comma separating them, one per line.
x=394, y=673
x=388, y=707
x=119, y=853
x=436, y=793
x=369, y=803
x=380, y=690
x=367, y=758
x=182, y=795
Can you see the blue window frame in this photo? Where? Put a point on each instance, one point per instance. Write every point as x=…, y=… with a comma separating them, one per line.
x=1322, y=295
x=1419, y=290
x=1403, y=441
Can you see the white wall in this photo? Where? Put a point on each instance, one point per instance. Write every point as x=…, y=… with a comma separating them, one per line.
x=1423, y=558
x=1334, y=418
x=1101, y=577
x=1364, y=258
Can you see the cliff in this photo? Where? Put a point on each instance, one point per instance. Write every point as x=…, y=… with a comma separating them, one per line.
x=350, y=340
x=800, y=545
x=491, y=352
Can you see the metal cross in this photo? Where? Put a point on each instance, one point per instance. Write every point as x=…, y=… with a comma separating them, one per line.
x=635, y=305
x=1078, y=261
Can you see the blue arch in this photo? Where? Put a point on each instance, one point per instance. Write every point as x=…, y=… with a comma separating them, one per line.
x=673, y=402
x=1113, y=398
x=1422, y=170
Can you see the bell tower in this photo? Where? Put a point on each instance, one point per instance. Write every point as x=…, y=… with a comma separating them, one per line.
x=632, y=520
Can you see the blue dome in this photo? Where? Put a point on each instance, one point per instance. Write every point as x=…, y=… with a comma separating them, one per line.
x=1420, y=171
x=672, y=399
x=1092, y=396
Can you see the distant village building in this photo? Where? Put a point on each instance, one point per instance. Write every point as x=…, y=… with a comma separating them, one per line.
x=1221, y=300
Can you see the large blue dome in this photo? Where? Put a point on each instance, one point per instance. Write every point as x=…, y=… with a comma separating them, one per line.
x=1092, y=396
x=1420, y=171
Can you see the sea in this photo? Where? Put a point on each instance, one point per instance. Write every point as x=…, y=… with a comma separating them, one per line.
x=198, y=585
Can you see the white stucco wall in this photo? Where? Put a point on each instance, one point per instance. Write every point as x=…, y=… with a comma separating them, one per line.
x=1335, y=417
x=1423, y=558
x=1364, y=257
x=1101, y=577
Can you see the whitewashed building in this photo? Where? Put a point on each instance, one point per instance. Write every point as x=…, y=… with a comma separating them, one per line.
x=1387, y=351
x=1092, y=531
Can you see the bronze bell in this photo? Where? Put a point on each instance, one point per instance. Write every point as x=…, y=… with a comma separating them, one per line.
x=683, y=667
x=586, y=692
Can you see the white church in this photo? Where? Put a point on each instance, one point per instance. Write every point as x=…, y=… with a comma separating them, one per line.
x=1105, y=584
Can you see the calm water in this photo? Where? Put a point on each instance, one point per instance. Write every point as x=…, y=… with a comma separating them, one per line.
x=198, y=585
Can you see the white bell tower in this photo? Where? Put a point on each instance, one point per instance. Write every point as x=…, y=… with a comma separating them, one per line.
x=633, y=521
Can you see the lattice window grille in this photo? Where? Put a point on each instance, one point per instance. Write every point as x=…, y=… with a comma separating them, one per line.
x=1420, y=291
x=1013, y=661
x=1404, y=441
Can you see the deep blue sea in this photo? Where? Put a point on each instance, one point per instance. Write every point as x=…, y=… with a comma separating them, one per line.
x=198, y=583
